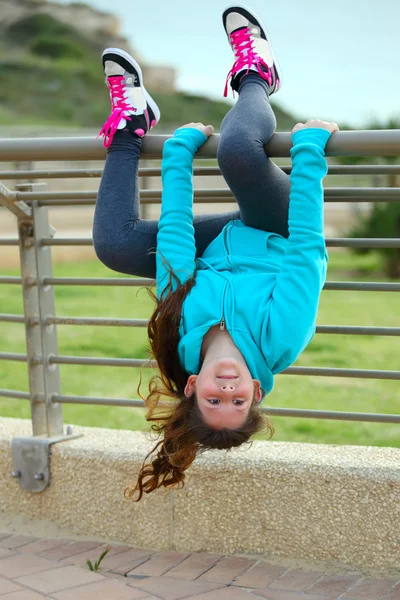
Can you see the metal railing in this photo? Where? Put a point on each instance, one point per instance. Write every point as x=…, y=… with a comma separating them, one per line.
x=36, y=237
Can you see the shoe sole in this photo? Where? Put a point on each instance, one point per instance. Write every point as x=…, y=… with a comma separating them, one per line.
x=133, y=62
x=257, y=18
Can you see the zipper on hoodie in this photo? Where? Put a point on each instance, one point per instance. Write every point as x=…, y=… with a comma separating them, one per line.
x=222, y=321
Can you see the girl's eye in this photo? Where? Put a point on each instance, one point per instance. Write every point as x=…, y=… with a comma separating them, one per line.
x=216, y=401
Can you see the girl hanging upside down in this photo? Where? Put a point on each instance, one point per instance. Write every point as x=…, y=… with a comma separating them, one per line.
x=238, y=292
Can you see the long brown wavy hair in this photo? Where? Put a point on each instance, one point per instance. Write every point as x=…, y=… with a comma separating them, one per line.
x=178, y=420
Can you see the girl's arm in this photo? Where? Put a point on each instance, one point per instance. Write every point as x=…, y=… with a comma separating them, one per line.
x=295, y=298
x=175, y=237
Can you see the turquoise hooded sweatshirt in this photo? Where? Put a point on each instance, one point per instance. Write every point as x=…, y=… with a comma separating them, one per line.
x=262, y=288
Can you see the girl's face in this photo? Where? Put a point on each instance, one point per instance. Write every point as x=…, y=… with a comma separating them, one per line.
x=225, y=391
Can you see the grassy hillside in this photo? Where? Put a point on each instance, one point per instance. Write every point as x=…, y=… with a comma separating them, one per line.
x=51, y=74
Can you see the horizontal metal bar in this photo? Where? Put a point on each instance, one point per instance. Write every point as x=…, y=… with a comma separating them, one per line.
x=348, y=286
x=96, y=173
x=332, y=415
x=66, y=242
x=12, y=318
x=197, y=171
x=109, y=362
x=11, y=280
x=384, y=142
x=13, y=356
x=324, y=329
x=345, y=330
x=9, y=242
x=141, y=281
x=330, y=242
x=359, y=192
x=117, y=281
x=210, y=200
x=144, y=201
x=57, y=174
x=15, y=394
x=136, y=362
x=279, y=412
x=217, y=194
x=99, y=401
x=321, y=329
x=356, y=169
x=352, y=373
x=361, y=286
x=330, y=192
x=96, y=321
x=363, y=242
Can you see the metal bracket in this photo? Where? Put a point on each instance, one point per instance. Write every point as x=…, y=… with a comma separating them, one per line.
x=31, y=460
x=9, y=199
x=31, y=187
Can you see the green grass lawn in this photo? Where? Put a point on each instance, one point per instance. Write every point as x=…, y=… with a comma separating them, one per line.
x=336, y=308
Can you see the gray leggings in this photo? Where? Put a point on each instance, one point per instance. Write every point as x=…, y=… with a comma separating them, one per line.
x=122, y=240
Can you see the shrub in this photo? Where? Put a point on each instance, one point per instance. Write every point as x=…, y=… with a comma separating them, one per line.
x=28, y=28
x=54, y=47
x=383, y=221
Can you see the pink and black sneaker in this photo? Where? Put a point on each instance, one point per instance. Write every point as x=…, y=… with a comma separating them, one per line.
x=131, y=105
x=248, y=38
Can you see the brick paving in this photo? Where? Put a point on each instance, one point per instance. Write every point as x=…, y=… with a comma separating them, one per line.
x=32, y=568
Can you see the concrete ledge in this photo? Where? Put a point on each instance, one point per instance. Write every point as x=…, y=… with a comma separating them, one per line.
x=304, y=501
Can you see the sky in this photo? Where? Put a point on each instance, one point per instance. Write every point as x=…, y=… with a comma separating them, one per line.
x=339, y=60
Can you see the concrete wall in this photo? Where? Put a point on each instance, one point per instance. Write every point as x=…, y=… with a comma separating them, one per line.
x=305, y=501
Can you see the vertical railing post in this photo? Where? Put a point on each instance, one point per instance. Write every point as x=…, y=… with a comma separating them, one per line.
x=39, y=304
